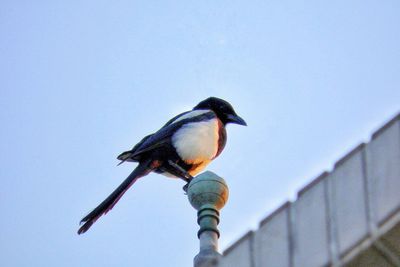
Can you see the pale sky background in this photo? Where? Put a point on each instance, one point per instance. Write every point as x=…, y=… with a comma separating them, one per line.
x=82, y=81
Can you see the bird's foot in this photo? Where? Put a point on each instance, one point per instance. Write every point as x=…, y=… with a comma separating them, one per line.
x=185, y=188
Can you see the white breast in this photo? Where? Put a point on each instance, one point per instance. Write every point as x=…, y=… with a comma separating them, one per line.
x=197, y=142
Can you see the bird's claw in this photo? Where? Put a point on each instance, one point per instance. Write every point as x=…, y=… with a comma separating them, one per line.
x=185, y=187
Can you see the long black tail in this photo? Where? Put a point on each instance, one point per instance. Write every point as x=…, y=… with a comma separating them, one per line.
x=141, y=170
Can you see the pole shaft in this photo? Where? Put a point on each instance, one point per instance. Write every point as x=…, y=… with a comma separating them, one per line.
x=207, y=193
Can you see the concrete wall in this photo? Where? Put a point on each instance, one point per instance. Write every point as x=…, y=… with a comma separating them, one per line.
x=346, y=217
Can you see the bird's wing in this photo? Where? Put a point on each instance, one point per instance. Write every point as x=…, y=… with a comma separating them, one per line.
x=163, y=136
x=127, y=155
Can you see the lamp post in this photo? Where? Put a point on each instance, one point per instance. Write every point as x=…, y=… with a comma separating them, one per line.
x=207, y=193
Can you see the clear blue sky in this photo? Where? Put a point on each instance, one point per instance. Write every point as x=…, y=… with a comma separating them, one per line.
x=82, y=81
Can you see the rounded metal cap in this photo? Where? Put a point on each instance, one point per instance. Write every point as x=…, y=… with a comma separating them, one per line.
x=208, y=190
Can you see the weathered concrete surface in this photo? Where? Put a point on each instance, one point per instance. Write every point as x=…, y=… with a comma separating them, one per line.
x=310, y=227
x=271, y=243
x=383, y=170
x=348, y=200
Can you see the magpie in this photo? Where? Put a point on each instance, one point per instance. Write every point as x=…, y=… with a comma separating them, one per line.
x=181, y=148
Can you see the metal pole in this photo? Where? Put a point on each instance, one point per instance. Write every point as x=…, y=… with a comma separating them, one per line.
x=208, y=193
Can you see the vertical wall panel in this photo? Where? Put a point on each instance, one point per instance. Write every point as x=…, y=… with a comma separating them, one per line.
x=311, y=226
x=383, y=165
x=272, y=240
x=347, y=187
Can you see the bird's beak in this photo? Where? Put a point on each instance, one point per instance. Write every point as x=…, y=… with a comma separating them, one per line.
x=233, y=118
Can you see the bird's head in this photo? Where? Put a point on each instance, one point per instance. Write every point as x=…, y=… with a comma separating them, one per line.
x=222, y=108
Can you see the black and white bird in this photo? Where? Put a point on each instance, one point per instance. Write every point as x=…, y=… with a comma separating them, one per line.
x=181, y=148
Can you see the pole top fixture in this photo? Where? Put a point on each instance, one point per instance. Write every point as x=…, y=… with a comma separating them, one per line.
x=208, y=193
x=208, y=189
